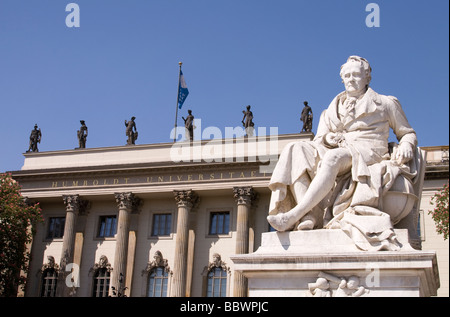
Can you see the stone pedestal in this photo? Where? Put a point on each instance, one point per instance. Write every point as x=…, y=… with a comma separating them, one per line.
x=327, y=263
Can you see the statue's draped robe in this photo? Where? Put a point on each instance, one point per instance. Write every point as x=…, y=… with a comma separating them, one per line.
x=356, y=195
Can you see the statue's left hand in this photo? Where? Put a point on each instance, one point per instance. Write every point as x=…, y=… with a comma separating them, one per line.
x=332, y=139
x=404, y=153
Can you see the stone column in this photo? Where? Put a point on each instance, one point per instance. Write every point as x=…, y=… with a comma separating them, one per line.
x=74, y=205
x=244, y=197
x=186, y=200
x=126, y=202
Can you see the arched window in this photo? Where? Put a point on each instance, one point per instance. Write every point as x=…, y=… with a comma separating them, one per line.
x=158, y=272
x=101, y=283
x=157, y=282
x=216, y=277
x=49, y=280
x=217, y=283
x=49, y=273
x=102, y=277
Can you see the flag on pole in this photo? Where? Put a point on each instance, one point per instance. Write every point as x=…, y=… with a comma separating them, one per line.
x=183, y=91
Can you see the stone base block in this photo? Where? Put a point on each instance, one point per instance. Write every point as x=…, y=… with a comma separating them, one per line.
x=327, y=263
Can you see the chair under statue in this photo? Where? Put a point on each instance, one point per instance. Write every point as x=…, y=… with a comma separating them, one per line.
x=402, y=201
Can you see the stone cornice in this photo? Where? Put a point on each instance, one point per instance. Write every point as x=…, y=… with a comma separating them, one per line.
x=133, y=168
x=437, y=172
x=162, y=179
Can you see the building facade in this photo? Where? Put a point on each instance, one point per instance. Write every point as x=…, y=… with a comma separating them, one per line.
x=164, y=219
x=436, y=176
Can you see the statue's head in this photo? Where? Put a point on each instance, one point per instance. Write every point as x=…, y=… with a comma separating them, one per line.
x=51, y=260
x=353, y=282
x=305, y=103
x=158, y=256
x=216, y=257
x=103, y=260
x=322, y=283
x=356, y=75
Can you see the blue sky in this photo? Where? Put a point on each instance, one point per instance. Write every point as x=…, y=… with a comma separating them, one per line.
x=271, y=54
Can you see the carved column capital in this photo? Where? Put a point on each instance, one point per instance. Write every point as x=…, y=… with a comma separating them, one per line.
x=75, y=203
x=72, y=202
x=185, y=198
x=244, y=195
x=127, y=201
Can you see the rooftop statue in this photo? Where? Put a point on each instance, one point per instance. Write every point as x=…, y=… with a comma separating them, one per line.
x=82, y=135
x=307, y=118
x=35, y=138
x=247, y=121
x=189, y=126
x=131, y=131
x=341, y=178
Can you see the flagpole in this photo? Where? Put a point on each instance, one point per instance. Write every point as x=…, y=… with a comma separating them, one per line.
x=176, y=111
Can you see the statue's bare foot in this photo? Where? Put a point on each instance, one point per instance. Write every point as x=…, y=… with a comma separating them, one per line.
x=307, y=224
x=282, y=221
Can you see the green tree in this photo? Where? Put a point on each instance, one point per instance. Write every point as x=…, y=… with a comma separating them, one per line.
x=17, y=226
x=440, y=211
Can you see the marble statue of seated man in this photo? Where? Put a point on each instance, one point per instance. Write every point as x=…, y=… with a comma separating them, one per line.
x=348, y=166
